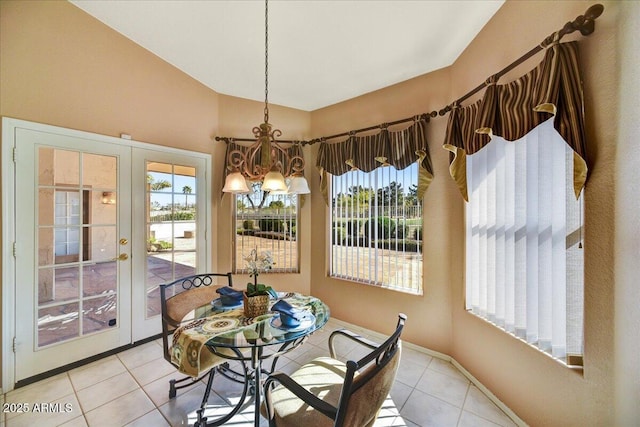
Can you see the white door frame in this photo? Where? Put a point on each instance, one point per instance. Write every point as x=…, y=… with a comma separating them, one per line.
x=9, y=126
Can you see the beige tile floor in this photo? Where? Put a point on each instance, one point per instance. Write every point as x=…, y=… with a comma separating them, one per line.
x=131, y=389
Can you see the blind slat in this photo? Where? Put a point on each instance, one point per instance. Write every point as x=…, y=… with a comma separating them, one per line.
x=369, y=215
x=524, y=265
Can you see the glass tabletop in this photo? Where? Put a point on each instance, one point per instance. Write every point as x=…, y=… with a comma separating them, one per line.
x=268, y=329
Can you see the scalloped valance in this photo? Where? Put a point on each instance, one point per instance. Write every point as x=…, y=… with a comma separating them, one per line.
x=512, y=110
x=386, y=148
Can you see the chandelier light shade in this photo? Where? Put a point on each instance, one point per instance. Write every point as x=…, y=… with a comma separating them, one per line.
x=235, y=183
x=274, y=181
x=298, y=185
x=265, y=160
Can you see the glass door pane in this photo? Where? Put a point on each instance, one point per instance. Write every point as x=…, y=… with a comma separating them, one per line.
x=77, y=244
x=171, y=201
x=72, y=209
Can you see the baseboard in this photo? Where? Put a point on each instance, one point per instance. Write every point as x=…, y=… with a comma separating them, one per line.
x=490, y=395
x=446, y=358
x=79, y=363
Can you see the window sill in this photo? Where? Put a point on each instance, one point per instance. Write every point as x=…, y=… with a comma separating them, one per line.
x=569, y=362
x=414, y=292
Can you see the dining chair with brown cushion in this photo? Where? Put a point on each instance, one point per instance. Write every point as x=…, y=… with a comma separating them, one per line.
x=178, y=301
x=328, y=392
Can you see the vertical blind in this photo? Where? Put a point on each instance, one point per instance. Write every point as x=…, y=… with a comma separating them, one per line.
x=376, y=233
x=524, y=267
x=266, y=222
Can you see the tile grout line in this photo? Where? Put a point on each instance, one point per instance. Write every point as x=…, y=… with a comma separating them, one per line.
x=405, y=402
x=141, y=387
x=85, y=412
x=75, y=393
x=466, y=395
x=93, y=384
x=492, y=397
x=311, y=347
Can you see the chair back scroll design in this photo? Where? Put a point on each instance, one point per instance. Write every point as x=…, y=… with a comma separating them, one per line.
x=364, y=392
x=181, y=296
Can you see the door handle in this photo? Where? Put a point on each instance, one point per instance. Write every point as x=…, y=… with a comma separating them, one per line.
x=122, y=257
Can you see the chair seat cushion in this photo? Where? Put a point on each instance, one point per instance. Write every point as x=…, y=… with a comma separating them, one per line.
x=323, y=377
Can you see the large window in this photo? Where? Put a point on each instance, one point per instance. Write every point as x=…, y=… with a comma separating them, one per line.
x=524, y=252
x=376, y=228
x=267, y=222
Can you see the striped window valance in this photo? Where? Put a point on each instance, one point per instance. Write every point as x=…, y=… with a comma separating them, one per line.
x=386, y=148
x=512, y=110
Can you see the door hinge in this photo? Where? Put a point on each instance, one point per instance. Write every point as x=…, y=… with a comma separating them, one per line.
x=14, y=154
x=14, y=249
x=13, y=345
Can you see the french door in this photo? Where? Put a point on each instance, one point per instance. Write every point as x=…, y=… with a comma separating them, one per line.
x=73, y=252
x=170, y=213
x=96, y=224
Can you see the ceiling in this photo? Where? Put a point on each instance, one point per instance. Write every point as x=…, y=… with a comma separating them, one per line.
x=320, y=52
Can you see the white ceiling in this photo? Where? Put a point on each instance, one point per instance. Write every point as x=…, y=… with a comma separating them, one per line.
x=320, y=52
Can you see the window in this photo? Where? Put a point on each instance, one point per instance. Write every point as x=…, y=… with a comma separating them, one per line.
x=376, y=232
x=67, y=220
x=524, y=253
x=70, y=214
x=266, y=222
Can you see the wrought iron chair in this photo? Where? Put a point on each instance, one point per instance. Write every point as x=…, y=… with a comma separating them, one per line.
x=327, y=392
x=178, y=299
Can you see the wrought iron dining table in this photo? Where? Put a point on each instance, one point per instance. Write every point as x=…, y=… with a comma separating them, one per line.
x=251, y=341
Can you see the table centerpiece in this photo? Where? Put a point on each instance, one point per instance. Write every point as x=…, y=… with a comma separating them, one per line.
x=256, y=296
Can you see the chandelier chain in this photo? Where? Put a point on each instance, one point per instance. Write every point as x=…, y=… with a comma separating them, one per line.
x=266, y=160
x=266, y=61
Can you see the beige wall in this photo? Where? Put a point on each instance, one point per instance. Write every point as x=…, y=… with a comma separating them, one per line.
x=541, y=391
x=627, y=222
x=430, y=314
x=537, y=388
x=60, y=66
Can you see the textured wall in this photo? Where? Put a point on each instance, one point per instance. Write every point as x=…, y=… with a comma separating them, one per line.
x=430, y=314
x=62, y=67
x=627, y=220
x=538, y=389
x=541, y=391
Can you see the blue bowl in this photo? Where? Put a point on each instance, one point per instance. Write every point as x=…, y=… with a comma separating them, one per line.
x=288, y=321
